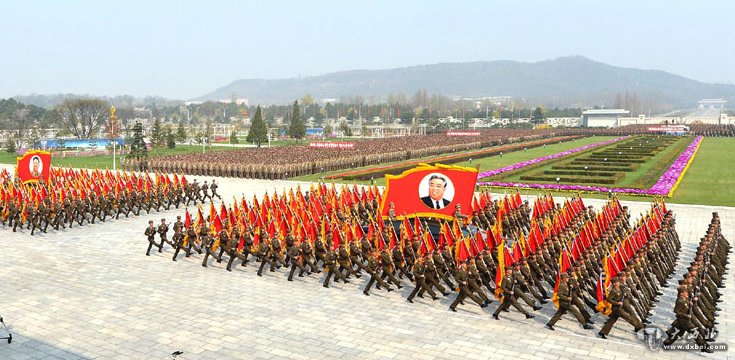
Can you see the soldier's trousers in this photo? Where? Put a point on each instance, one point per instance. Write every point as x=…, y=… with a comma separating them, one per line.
x=180, y=247
x=192, y=245
x=374, y=277
x=208, y=251
x=265, y=260
x=389, y=274
x=307, y=260
x=464, y=293
x=337, y=275
x=618, y=312
x=509, y=300
x=234, y=254
x=579, y=304
x=348, y=270
x=476, y=289
x=421, y=286
x=445, y=278
x=403, y=272
x=296, y=264
x=564, y=308
x=520, y=294
x=432, y=282
x=151, y=243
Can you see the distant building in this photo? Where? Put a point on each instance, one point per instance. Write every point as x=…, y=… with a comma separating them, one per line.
x=240, y=101
x=711, y=103
x=603, y=117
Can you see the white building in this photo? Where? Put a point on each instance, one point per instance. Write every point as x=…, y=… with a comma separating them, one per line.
x=603, y=117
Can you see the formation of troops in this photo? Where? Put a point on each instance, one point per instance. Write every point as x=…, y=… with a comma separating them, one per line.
x=285, y=162
x=76, y=197
x=523, y=256
x=696, y=304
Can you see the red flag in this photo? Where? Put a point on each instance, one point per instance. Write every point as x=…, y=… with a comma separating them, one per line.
x=430, y=191
x=34, y=166
x=187, y=221
x=463, y=252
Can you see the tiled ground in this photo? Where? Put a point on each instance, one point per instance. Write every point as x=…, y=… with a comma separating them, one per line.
x=91, y=293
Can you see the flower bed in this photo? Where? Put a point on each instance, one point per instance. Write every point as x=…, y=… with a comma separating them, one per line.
x=523, y=164
x=665, y=186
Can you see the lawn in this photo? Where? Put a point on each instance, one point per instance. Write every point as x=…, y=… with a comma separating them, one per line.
x=486, y=163
x=710, y=179
x=105, y=161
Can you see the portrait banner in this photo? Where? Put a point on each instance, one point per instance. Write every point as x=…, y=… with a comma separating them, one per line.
x=430, y=191
x=33, y=166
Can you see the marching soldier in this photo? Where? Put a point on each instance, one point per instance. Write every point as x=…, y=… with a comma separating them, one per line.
x=464, y=290
x=565, y=304
x=162, y=231
x=372, y=268
x=150, y=232
x=615, y=297
x=330, y=262
x=508, y=286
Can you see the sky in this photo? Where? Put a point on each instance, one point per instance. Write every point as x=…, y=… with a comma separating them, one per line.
x=185, y=49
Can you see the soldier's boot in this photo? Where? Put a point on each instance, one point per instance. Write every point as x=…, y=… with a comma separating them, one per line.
x=176, y=253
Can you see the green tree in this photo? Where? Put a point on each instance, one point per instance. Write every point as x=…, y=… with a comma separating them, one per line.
x=538, y=115
x=10, y=145
x=170, y=138
x=181, y=134
x=157, y=133
x=137, y=145
x=233, y=138
x=258, y=131
x=297, y=130
x=328, y=130
x=346, y=130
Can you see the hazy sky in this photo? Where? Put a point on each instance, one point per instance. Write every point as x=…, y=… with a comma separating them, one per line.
x=184, y=49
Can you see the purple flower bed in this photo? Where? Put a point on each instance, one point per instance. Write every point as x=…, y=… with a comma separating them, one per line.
x=663, y=186
x=546, y=158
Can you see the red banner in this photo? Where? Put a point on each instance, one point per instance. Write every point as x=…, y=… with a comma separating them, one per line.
x=33, y=166
x=331, y=145
x=463, y=133
x=430, y=191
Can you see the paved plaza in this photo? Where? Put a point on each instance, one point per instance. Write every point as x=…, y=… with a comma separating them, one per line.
x=91, y=293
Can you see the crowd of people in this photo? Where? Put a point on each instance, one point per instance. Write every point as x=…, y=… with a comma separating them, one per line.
x=290, y=161
x=713, y=130
x=584, y=260
x=698, y=295
x=75, y=197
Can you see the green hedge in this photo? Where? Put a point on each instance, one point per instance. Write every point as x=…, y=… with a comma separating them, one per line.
x=630, y=168
x=581, y=172
x=576, y=179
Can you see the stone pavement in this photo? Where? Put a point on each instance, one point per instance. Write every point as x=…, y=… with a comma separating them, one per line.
x=91, y=293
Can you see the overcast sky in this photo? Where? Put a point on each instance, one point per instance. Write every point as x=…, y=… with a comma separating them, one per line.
x=184, y=49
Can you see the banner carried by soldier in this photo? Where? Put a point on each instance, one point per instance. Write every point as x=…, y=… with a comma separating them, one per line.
x=34, y=166
x=437, y=191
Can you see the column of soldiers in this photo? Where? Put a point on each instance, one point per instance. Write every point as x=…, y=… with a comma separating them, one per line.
x=635, y=287
x=386, y=267
x=62, y=212
x=528, y=282
x=696, y=304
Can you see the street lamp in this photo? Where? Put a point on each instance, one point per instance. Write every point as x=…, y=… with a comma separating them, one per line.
x=557, y=180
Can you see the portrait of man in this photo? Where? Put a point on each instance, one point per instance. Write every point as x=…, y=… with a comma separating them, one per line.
x=36, y=167
x=436, y=191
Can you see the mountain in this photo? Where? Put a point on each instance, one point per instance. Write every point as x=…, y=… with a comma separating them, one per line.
x=573, y=80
